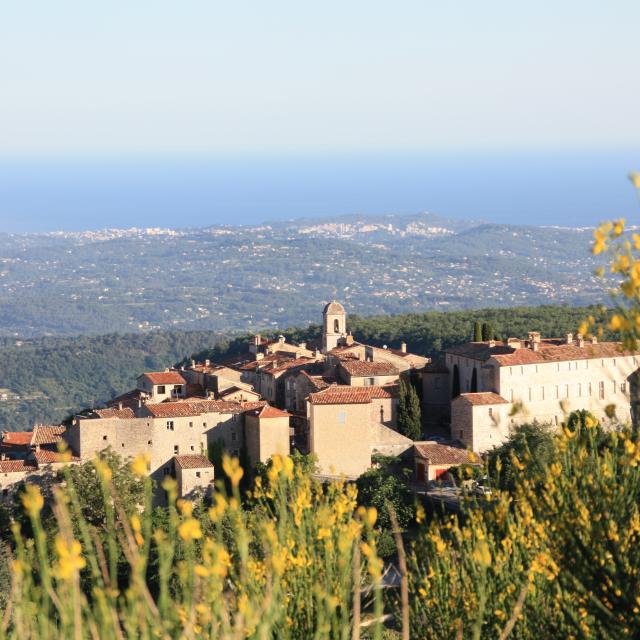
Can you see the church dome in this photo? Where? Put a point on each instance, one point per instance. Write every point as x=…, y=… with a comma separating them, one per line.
x=333, y=307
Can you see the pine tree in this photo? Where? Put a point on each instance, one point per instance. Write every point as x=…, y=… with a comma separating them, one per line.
x=477, y=331
x=487, y=332
x=409, y=415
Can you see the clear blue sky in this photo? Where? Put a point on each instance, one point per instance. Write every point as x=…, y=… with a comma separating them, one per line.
x=150, y=76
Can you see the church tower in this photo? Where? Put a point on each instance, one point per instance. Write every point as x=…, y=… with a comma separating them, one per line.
x=334, y=326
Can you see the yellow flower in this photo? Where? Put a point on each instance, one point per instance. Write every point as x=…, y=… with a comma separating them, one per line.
x=32, y=500
x=233, y=469
x=103, y=469
x=185, y=507
x=140, y=465
x=190, y=530
x=136, y=527
x=201, y=571
x=217, y=511
x=481, y=554
x=70, y=559
x=618, y=227
x=634, y=176
x=323, y=533
x=371, y=516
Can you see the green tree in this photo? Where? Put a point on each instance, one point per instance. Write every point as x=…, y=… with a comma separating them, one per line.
x=487, y=332
x=409, y=415
x=477, y=331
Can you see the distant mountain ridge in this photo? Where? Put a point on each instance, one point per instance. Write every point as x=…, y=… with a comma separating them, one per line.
x=224, y=278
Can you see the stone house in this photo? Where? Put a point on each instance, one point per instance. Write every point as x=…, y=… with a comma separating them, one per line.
x=162, y=385
x=347, y=425
x=432, y=460
x=503, y=384
x=194, y=474
x=267, y=432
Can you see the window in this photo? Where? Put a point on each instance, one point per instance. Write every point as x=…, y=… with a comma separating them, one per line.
x=123, y=445
x=623, y=387
x=601, y=390
x=170, y=425
x=166, y=471
x=234, y=417
x=369, y=382
x=614, y=386
x=342, y=417
x=566, y=390
x=191, y=424
x=381, y=414
x=336, y=326
x=579, y=390
x=556, y=420
x=197, y=474
x=557, y=392
x=104, y=437
x=178, y=389
x=204, y=424
x=614, y=362
x=490, y=412
x=233, y=436
x=149, y=442
x=161, y=388
x=193, y=448
x=530, y=394
x=176, y=449
x=461, y=433
x=590, y=390
x=511, y=395
x=542, y=393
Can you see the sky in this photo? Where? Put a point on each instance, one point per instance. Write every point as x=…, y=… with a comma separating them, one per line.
x=199, y=77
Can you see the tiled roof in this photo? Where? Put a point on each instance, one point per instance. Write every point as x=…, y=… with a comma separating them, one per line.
x=165, y=377
x=333, y=307
x=122, y=414
x=549, y=350
x=186, y=409
x=436, y=453
x=364, y=368
x=352, y=395
x=129, y=399
x=52, y=456
x=47, y=434
x=318, y=382
x=297, y=362
x=16, y=466
x=270, y=412
x=18, y=438
x=234, y=389
x=482, y=398
x=194, y=461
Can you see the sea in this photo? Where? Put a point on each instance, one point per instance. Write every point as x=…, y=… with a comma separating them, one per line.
x=573, y=188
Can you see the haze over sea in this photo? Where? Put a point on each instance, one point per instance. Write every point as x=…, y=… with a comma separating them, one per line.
x=564, y=188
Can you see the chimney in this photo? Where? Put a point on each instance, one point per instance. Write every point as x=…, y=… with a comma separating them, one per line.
x=403, y=347
x=569, y=338
x=535, y=345
x=349, y=339
x=580, y=339
x=193, y=363
x=514, y=343
x=384, y=346
x=139, y=402
x=207, y=363
x=259, y=356
x=302, y=345
x=257, y=339
x=492, y=343
x=594, y=340
x=120, y=406
x=281, y=340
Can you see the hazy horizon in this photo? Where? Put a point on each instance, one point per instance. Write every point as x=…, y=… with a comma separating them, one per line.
x=566, y=188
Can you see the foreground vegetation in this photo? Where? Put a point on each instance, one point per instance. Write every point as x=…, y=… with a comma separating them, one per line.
x=557, y=556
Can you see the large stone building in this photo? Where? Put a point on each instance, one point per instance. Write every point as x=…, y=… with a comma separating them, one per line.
x=481, y=390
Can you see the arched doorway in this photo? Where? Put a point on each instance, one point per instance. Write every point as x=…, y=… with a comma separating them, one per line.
x=474, y=381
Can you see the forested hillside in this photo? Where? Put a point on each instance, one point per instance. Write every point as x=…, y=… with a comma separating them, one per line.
x=46, y=379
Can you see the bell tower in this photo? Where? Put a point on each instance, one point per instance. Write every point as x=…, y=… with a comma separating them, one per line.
x=334, y=326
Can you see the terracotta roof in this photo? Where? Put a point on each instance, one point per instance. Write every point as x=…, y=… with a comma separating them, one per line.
x=122, y=414
x=333, y=307
x=164, y=377
x=549, y=350
x=343, y=394
x=194, y=461
x=129, y=399
x=482, y=398
x=270, y=412
x=364, y=368
x=235, y=389
x=318, y=382
x=196, y=408
x=18, y=438
x=53, y=456
x=16, y=466
x=47, y=434
x=436, y=453
x=297, y=362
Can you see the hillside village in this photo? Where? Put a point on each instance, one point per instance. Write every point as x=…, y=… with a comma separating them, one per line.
x=335, y=398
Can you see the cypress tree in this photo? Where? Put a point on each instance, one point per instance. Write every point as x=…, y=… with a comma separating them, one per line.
x=409, y=415
x=477, y=331
x=487, y=332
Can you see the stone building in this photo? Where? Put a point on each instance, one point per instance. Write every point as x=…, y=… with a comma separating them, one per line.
x=194, y=474
x=491, y=387
x=432, y=460
x=267, y=432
